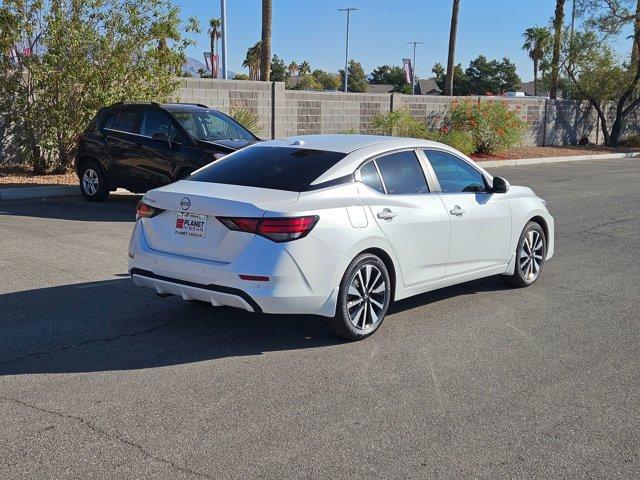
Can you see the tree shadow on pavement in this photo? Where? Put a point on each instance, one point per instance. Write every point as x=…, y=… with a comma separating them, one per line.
x=117, y=208
x=114, y=325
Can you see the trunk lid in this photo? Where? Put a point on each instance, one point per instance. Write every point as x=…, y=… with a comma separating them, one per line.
x=198, y=204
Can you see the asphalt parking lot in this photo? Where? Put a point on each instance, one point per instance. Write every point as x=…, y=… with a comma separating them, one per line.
x=100, y=379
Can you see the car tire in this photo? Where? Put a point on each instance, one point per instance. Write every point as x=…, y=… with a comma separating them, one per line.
x=363, y=298
x=184, y=173
x=530, y=254
x=93, y=182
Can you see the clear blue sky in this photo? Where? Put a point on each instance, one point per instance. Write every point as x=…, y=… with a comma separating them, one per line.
x=314, y=30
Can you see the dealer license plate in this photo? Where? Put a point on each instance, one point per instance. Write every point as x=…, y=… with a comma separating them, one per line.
x=191, y=225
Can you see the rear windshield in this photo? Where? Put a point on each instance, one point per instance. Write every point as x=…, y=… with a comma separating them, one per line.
x=278, y=168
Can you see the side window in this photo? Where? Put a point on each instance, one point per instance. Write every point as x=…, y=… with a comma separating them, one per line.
x=154, y=121
x=454, y=174
x=402, y=174
x=370, y=177
x=122, y=120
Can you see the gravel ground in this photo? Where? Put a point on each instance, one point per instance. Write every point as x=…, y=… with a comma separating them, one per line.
x=16, y=176
x=539, y=152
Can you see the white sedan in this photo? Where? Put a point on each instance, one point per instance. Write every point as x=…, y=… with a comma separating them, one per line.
x=338, y=226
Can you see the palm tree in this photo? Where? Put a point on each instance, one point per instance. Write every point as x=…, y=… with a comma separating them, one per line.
x=252, y=61
x=453, y=33
x=214, y=34
x=536, y=42
x=293, y=68
x=558, y=22
x=265, y=52
x=304, y=69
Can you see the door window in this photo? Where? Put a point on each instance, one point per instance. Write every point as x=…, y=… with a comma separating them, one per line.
x=370, y=177
x=122, y=121
x=402, y=174
x=155, y=122
x=454, y=174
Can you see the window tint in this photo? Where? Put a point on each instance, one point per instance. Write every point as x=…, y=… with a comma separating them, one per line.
x=370, y=177
x=122, y=120
x=278, y=168
x=454, y=174
x=210, y=125
x=402, y=174
x=154, y=121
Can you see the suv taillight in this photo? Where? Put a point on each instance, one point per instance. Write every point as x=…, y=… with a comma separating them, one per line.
x=146, y=211
x=277, y=229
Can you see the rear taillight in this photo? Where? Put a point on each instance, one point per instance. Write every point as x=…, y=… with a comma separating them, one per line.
x=146, y=211
x=282, y=229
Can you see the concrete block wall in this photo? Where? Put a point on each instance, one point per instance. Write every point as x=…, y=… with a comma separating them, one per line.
x=295, y=112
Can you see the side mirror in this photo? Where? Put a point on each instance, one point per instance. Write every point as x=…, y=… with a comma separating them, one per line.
x=500, y=185
x=162, y=137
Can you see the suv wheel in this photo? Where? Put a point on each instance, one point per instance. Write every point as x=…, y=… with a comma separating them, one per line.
x=93, y=183
x=363, y=300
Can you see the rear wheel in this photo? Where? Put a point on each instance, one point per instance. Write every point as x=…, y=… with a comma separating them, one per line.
x=93, y=182
x=363, y=299
x=530, y=255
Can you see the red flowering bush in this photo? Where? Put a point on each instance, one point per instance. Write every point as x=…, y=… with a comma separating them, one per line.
x=492, y=125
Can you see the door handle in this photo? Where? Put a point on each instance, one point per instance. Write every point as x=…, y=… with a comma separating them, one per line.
x=456, y=210
x=386, y=214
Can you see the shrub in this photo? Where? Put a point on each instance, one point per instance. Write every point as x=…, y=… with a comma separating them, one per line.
x=492, y=125
x=632, y=141
x=400, y=123
x=248, y=119
x=461, y=141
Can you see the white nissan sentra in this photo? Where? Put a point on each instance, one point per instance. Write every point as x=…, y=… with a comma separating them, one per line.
x=338, y=226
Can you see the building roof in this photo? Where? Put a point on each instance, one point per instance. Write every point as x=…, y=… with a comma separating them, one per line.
x=428, y=86
x=379, y=88
x=527, y=88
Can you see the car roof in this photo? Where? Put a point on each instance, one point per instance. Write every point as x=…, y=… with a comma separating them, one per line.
x=344, y=143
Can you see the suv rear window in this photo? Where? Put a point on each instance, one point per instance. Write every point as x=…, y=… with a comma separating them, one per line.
x=277, y=168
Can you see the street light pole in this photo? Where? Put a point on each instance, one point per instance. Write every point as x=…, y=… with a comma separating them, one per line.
x=413, y=66
x=346, y=54
x=223, y=14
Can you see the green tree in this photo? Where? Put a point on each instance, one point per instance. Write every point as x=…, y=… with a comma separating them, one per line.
x=493, y=77
x=278, y=69
x=252, y=61
x=611, y=85
x=304, y=69
x=214, y=34
x=357, y=77
x=307, y=82
x=241, y=76
x=85, y=55
x=387, y=75
x=460, y=80
x=536, y=41
x=292, y=69
x=328, y=81
x=558, y=22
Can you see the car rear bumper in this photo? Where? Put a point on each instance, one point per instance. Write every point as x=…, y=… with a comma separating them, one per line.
x=288, y=290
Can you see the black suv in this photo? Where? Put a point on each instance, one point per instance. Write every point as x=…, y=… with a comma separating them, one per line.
x=140, y=146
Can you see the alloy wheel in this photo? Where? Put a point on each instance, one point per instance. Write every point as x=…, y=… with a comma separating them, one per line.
x=366, y=297
x=531, y=255
x=90, y=181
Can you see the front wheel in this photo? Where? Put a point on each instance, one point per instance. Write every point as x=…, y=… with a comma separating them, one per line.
x=530, y=255
x=363, y=299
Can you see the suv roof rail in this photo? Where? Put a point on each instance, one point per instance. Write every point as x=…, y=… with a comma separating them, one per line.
x=188, y=103
x=136, y=102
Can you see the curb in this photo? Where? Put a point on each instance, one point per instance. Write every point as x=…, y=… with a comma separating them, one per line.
x=571, y=158
x=21, y=193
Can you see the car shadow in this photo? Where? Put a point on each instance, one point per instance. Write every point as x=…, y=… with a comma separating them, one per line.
x=114, y=325
x=119, y=207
